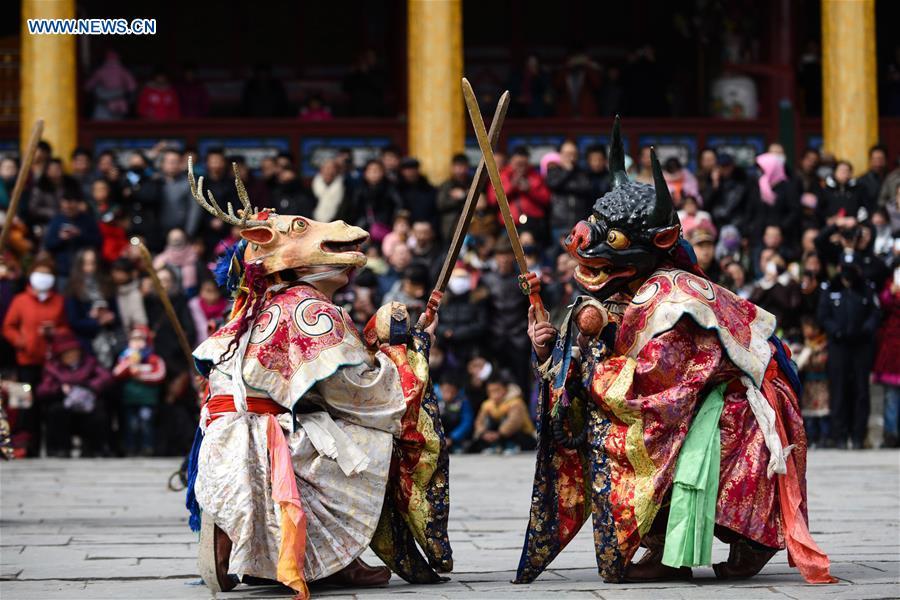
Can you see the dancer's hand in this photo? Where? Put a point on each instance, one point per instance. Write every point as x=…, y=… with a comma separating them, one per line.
x=542, y=335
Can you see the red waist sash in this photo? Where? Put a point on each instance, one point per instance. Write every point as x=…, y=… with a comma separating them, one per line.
x=224, y=403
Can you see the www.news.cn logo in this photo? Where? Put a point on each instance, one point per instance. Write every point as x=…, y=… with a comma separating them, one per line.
x=92, y=26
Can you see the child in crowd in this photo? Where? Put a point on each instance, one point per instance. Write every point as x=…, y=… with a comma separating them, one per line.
x=208, y=309
x=70, y=394
x=690, y=216
x=143, y=373
x=398, y=235
x=456, y=412
x=503, y=423
x=811, y=361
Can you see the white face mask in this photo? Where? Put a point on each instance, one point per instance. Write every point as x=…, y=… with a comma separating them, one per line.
x=459, y=285
x=41, y=282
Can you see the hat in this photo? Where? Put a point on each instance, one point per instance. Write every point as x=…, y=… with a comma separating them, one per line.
x=503, y=246
x=65, y=342
x=701, y=235
x=409, y=163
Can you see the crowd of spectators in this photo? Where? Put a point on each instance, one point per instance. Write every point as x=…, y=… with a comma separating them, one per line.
x=84, y=329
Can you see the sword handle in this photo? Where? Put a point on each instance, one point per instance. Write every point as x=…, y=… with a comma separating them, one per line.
x=540, y=313
x=427, y=317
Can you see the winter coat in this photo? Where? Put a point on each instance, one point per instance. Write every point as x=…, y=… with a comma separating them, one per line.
x=466, y=316
x=89, y=374
x=448, y=207
x=22, y=324
x=420, y=199
x=508, y=311
x=848, y=315
x=532, y=202
x=571, y=196
x=837, y=197
x=887, y=363
x=64, y=250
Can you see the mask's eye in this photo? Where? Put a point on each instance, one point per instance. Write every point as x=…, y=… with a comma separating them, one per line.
x=298, y=224
x=592, y=219
x=617, y=239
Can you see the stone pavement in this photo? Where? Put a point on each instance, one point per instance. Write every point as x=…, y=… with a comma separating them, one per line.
x=72, y=529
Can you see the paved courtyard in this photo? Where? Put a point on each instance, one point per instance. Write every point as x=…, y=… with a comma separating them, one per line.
x=110, y=529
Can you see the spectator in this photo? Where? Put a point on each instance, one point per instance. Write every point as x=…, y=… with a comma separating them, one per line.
x=398, y=261
x=193, y=99
x=508, y=315
x=70, y=391
x=772, y=201
x=208, y=308
x=364, y=86
x=728, y=201
x=845, y=239
x=411, y=290
x=848, y=312
x=424, y=246
x=181, y=258
x=177, y=209
x=264, y=96
x=143, y=373
x=315, y=109
x=811, y=278
x=841, y=196
x=457, y=415
x=113, y=228
x=735, y=279
x=886, y=197
x=571, y=193
x=577, y=85
x=82, y=172
x=291, y=197
x=598, y=170
x=703, y=241
x=530, y=90
x=811, y=362
x=47, y=193
x=373, y=203
x=528, y=196
x=158, y=100
x=777, y=293
x=503, y=423
x=870, y=183
x=112, y=86
x=464, y=316
x=451, y=195
x=90, y=309
x=611, y=96
x=691, y=216
x=9, y=169
x=73, y=229
x=417, y=195
x=644, y=166
x=707, y=174
x=142, y=206
x=218, y=183
x=484, y=221
x=680, y=181
x=399, y=234
x=887, y=363
x=129, y=300
x=330, y=191
x=35, y=316
x=390, y=158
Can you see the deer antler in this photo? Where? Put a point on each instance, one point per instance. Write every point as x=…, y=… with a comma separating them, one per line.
x=211, y=206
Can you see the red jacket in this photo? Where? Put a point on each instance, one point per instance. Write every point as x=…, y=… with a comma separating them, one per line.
x=533, y=202
x=22, y=325
x=115, y=240
x=158, y=104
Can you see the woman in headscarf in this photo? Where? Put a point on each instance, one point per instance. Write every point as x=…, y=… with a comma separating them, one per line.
x=773, y=201
x=111, y=85
x=182, y=258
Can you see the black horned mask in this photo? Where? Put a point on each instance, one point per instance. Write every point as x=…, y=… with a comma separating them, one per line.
x=631, y=230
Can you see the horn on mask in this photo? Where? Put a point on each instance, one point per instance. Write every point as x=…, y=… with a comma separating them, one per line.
x=617, y=156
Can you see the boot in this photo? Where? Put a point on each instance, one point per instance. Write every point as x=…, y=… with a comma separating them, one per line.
x=744, y=560
x=358, y=574
x=650, y=567
x=222, y=550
